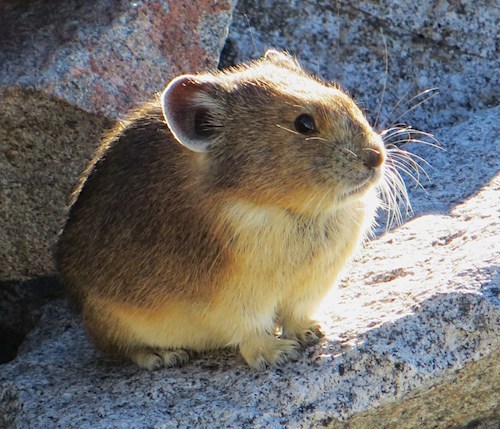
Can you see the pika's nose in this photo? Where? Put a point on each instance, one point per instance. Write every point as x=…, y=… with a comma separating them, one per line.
x=372, y=157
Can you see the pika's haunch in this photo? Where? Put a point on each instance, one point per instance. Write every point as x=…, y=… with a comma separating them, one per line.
x=220, y=212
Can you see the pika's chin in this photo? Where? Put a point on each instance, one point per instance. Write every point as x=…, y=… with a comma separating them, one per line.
x=357, y=191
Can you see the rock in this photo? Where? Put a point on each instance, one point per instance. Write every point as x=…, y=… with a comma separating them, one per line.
x=45, y=146
x=432, y=43
x=413, y=335
x=20, y=308
x=105, y=56
x=68, y=69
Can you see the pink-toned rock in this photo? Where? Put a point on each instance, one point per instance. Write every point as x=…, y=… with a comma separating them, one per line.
x=105, y=56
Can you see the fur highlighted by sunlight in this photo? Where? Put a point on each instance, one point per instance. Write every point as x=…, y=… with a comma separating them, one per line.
x=222, y=213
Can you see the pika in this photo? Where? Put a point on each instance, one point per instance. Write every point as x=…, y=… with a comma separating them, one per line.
x=219, y=213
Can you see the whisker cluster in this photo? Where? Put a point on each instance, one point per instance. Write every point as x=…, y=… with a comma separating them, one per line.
x=399, y=160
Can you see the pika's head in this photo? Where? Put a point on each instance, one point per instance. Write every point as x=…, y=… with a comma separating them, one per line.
x=271, y=133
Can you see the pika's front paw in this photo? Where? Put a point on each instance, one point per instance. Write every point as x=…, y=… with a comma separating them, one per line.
x=312, y=335
x=154, y=359
x=307, y=334
x=262, y=352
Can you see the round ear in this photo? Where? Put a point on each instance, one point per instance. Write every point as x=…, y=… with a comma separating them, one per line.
x=189, y=111
x=281, y=58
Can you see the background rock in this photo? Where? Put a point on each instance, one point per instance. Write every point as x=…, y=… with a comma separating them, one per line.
x=105, y=56
x=449, y=44
x=413, y=335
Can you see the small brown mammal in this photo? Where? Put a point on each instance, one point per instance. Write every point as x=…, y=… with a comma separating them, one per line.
x=220, y=212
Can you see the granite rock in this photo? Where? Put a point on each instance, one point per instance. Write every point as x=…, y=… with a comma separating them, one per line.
x=413, y=335
x=448, y=44
x=105, y=56
x=45, y=145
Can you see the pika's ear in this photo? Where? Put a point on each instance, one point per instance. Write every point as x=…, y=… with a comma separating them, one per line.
x=189, y=111
x=281, y=58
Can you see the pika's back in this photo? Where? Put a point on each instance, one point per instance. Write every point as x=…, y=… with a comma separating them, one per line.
x=135, y=201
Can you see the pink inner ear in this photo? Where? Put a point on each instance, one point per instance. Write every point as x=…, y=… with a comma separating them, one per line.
x=180, y=105
x=177, y=99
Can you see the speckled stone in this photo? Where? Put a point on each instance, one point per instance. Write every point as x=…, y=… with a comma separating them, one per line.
x=413, y=334
x=45, y=145
x=449, y=44
x=105, y=56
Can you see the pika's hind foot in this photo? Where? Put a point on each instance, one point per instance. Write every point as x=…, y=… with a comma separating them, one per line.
x=266, y=351
x=154, y=359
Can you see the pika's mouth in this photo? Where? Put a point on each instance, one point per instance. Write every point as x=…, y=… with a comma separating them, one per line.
x=361, y=188
x=358, y=190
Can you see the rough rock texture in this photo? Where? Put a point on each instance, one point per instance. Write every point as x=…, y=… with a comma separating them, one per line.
x=105, y=56
x=67, y=68
x=449, y=44
x=45, y=145
x=413, y=335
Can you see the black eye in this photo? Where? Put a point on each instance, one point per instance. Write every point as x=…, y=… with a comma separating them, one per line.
x=304, y=124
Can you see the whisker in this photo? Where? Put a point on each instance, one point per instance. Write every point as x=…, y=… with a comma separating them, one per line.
x=390, y=133
x=398, y=162
x=316, y=138
x=394, y=138
x=416, y=105
x=287, y=129
x=410, y=163
x=399, y=102
x=384, y=87
x=410, y=156
x=393, y=189
x=406, y=103
x=349, y=151
x=251, y=34
x=403, y=154
x=419, y=141
x=328, y=145
x=415, y=178
x=392, y=205
x=425, y=91
x=403, y=193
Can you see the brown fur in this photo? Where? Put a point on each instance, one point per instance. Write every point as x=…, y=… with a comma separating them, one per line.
x=166, y=248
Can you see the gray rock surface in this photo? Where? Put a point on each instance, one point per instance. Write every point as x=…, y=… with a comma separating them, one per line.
x=105, y=56
x=413, y=334
x=67, y=69
x=449, y=44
